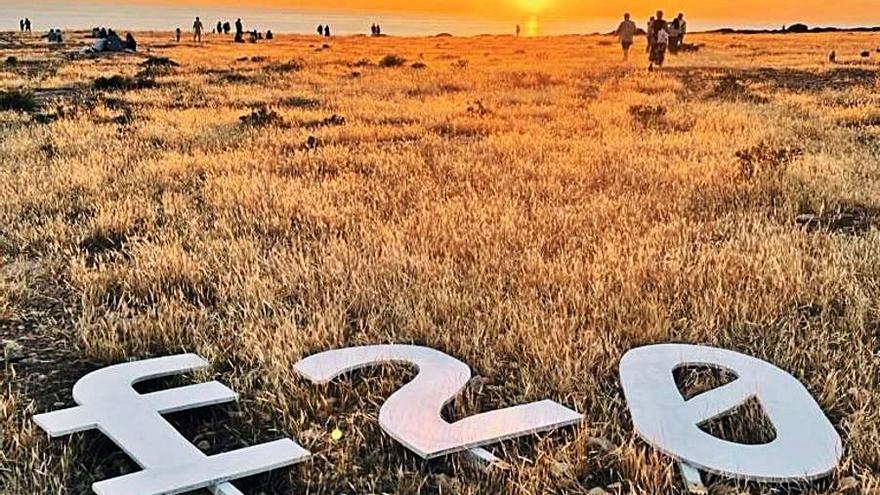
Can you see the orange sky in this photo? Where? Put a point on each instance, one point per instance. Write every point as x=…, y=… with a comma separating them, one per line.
x=822, y=12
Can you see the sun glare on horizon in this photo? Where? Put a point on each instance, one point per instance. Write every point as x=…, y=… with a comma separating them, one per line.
x=534, y=6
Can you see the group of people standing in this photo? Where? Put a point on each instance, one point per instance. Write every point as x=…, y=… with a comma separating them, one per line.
x=24, y=25
x=662, y=36
x=376, y=30
x=225, y=28
x=324, y=30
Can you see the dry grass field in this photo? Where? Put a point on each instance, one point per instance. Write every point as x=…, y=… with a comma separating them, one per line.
x=533, y=207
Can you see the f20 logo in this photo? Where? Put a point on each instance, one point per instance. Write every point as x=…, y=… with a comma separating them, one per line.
x=806, y=445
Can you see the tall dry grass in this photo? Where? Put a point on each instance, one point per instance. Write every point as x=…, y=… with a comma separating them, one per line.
x=532, y=207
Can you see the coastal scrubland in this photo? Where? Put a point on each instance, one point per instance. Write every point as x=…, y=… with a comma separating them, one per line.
x=532, y=207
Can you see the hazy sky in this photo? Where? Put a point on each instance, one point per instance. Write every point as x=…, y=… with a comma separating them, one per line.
x=419, y=17
x=851, y=12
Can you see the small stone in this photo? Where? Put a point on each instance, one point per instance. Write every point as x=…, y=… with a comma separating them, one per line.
x=615, y=487
x=723, y=489
x=204, y=445
x=559, y=469
x=848, y=484
x=807, y=220
x=600, y=444
x=12, y=351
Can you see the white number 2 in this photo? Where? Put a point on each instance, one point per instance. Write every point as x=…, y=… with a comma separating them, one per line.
x=412, y=415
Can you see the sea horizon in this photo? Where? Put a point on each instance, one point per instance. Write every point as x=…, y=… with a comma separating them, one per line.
x=135, y=17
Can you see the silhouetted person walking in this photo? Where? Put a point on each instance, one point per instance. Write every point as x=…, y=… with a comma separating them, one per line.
x=239, y=29
x=27, y=25
x=660, y=31
x=197, y=30
x=327, y=31
x=177, y=34
x=675, y=34
x=682, y=25
x=626, y=32
x=21, y=25
x=518, y=30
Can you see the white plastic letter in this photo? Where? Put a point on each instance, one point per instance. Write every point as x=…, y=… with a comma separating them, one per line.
x=132, y=421
x=806, y=445
x=412, y=414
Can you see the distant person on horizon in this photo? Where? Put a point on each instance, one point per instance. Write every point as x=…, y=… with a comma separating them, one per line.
x=676, y=33
x=269, y=35
x=130, y=42
x=226, y=27
x=21, y=25
x=518, y=30
x=27, y=25
x=239, y=29
x=197, y=30
x=219, y=27
x=660, y=32
x=177, y=34
x=327, y=31
x=320, y=30
x=683, y=27
x=626, y=32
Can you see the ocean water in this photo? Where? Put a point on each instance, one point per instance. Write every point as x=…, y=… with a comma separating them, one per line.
x=47, y=14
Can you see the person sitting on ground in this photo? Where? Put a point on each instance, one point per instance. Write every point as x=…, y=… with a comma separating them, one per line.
x=253, y=36
x=177, y=34
x=269, y=35
x=54, y=36
x=197, y=30
x=626, y=33
x=130, y=42
x=114, y=42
